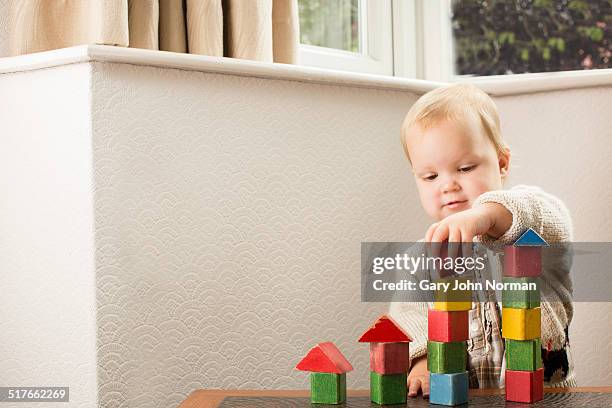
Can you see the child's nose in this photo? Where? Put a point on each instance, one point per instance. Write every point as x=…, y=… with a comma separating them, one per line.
x=450, y=186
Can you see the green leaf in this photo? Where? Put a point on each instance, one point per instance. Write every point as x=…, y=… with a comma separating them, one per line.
x=546, y=53
x=525, y=54
x=596, y=34
x=561, y=44
x=542, y=3
x=578, y=5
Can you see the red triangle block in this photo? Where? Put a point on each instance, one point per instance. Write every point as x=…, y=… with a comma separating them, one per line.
x=325, y=358
x=385, y=330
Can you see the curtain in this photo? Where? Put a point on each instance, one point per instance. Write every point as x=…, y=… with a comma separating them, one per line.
x=263, y=30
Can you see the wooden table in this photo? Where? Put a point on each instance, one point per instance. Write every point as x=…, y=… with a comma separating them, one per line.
x=214, y=398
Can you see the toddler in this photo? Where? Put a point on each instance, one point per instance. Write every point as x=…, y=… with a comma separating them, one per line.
x=453, y=141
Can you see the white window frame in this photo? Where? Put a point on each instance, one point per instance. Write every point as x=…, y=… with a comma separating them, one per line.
x=403, y=38
x=423, y=39
x=376, y=41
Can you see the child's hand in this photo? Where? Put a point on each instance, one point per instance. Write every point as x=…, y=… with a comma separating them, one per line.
x=418, y=378
x=489, y=218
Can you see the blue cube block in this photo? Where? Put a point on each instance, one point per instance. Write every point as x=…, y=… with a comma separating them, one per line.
x=448, y=389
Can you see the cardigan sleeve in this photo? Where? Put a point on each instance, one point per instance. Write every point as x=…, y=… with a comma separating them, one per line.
x=533, y=208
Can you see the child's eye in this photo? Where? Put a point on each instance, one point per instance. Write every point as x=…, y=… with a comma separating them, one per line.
x=430, y=177
x=465, y=169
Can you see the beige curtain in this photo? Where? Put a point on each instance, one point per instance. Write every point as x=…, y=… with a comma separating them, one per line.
x=263, y=30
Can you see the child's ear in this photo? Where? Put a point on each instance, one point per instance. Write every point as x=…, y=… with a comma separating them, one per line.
x=504, y=162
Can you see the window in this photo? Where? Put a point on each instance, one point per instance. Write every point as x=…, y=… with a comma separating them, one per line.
x=442, y=39
x=353, y=35
x=332, y=24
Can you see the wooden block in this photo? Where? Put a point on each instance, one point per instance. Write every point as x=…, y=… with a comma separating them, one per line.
x=448, y=389
x=388, y=388
x=446, y=358
x=325, y=358
x=521, y=298
x=523, y=355
x=522, y=261
x=525, y=386
x=389, y=358
x=385, y=330
x=530, y=238
x=327, y=388
x=521, y=324
x=452, y=306
x=447, y=326
x=453, y=299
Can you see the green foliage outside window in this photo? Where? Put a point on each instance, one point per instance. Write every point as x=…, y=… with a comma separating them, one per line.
x=501, y=36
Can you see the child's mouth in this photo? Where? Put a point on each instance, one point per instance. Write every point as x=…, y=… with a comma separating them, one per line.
x=455, y=204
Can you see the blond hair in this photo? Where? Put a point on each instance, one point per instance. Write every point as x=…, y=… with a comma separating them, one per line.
x=460, y=103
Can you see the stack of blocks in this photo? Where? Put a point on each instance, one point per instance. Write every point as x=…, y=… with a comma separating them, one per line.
x=389, y=361
x=521, y=319
x=447, y=333
x=328, y=369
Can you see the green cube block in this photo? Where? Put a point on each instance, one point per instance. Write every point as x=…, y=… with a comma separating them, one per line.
x=327, y=388
x=446, y=358
x=388, y=388
x=523, y=355
x=520, y=298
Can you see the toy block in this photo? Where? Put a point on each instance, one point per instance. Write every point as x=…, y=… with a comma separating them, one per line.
x=447, y=326
x=446, y=358
x=389, y=358
x=385, y=330
x=452, y=299
x=448, y=389
x=453, y=306
x=520, y=324
x=525, y=386
x=327, y=388
x=325, y=358
x=530, y=238
x=388, y=388
x=523, y=355
x=521, y=298
x=522, y=261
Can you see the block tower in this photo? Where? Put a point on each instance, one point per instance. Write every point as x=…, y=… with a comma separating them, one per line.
x=447, y=333
x=389, y=360
x=521, y=318
x=328, y=369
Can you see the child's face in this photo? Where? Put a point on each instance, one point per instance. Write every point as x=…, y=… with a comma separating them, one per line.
x=453, y=166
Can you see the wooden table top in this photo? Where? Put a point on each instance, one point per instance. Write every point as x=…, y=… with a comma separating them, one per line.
x=213, y=398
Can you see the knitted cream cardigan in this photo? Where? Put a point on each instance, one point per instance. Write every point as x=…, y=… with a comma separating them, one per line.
x=531, y=208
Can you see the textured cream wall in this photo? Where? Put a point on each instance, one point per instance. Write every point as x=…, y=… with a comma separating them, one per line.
x=229, y=217
x=47, y=292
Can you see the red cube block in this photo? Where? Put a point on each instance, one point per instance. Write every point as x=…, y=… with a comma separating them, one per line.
x=525, y=386
x=389, y=358
x=446, y=326
x=522, y=261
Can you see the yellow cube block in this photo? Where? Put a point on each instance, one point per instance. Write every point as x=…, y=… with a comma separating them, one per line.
x=521, y=324
x=453, y=300
x=452, y=306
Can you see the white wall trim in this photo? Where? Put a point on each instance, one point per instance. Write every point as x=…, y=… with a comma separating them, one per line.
x=495, y=85
x=192, y=62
